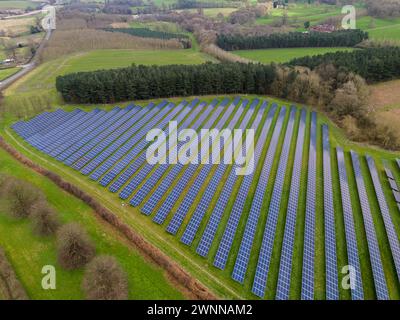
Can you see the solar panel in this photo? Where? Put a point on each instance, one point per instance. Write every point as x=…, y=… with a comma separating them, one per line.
x=242, y=259
x=267, y=245
x=82, y=133
x=129, y=127
x=332, y=286
x=373, y=247
x=226, y=194
x=183, y=209
x=133, y=168
x=307, y=284
x=387, y=219
x=393, y=185
x=210, y=192
x=285, y=267
x=109, y=119
x=389, y=173
x=166, y=207
x=104, y=134
x=357, y=292
x=176, y=169
x=126, y=141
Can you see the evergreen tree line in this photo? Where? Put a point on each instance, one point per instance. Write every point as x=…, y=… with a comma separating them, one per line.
x=148, y=33
x=146, y=82
x=342, y=38
x=373, y=64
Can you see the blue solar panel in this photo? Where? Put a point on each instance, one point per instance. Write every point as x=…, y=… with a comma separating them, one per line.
x=81, y=133
x=332, y=286
x=176, y=169
x=242, y=259
x=267, y=245
x=234, y=217
x=119, y=136
x=124, y=156
x=387, y=219
x=357, y=293
x=52, y=139
x=133, y=168
x=109, y=119
x=75, y=133
x=166, y=207
x=159, y=172
x=374, y=252
x=126, y=141
x=183, y=209
x=307, y=286
x=285, y=267
x=104, y=134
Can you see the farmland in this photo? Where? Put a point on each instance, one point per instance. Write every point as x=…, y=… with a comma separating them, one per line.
x=5, y=73
x=28, y=253
x=283, y=55
x=22, y=4
x=220, y=280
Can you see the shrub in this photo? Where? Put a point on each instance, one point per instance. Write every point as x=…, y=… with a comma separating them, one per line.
x=21, y=197
x=45, y=220
x=104, y=279
x=74, y=247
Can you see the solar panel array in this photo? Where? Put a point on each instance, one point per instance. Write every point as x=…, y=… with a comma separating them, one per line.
x=243, y=256
x=357, y=292
x=332, y=286
x=374, y=251
x=267, y=245
x=110, y=147
x=387, y=219
x=210, y=231
x=307, y=285
x=285, y=267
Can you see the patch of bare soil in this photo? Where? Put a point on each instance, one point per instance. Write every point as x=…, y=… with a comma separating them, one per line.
x=385, y=94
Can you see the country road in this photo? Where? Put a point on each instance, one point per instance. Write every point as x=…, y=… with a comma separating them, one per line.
x=27, y=67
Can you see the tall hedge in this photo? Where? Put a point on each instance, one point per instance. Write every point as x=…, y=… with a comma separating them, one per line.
x=374, y=64
x=341, y=38
x=145, y=82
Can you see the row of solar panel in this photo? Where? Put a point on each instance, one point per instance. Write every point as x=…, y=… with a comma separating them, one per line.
x=112, y=143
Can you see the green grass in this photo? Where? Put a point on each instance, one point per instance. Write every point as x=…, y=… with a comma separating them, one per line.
x=4, y=4
x=29, y=253
x=283, y=55
x=220, y=281
x=5, y=73
x=38, y=87
x=380, y=29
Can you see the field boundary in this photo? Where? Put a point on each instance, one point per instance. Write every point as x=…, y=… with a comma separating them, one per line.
x=145, y=247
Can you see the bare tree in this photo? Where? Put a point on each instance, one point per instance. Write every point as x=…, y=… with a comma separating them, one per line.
x=74, y=247
x=45, y=220
x=104, y=279
x=21, y=197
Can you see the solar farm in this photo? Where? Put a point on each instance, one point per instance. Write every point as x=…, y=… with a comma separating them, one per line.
x=287, y=230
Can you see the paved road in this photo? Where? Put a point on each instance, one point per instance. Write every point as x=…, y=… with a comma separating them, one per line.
x=25, y=68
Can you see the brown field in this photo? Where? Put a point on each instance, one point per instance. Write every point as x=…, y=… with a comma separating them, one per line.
x=385, y=95
x=15, y=27
x=385, y=101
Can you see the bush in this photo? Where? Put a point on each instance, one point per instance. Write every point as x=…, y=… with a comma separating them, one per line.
x=21, y=197
x=104, y=279
x=45, y=220
x=74, y=247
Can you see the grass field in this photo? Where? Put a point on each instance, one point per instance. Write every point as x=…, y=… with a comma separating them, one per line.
x=380, y=29
x=39, y=85
x=15, y=4
x=220, y=281
x=5, y=73
x=29, y=253
x=283, y=55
